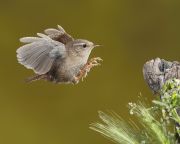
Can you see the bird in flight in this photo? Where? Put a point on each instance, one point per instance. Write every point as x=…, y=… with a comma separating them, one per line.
x=56, y=56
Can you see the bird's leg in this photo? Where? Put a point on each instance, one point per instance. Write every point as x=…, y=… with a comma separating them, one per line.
x=86, y=68
x=91, y=63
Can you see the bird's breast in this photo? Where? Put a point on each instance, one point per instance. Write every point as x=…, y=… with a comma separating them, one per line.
x=67, y=69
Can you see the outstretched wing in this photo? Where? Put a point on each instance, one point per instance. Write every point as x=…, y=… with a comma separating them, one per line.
x=59, y=35
x=39, y=53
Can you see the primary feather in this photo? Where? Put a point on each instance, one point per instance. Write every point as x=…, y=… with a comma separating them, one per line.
x=40, y=53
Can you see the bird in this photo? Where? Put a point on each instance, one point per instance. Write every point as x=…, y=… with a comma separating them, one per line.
x=56, y=56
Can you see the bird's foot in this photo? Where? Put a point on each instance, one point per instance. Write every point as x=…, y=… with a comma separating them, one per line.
x=94, y=62
x=87, y=67
x=90, y=64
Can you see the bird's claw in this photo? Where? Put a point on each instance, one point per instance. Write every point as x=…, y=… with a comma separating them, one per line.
x=94, y=62
x=83, y=72
x=75, y=80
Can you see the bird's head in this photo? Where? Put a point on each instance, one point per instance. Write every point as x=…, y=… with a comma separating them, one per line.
x=81, y=48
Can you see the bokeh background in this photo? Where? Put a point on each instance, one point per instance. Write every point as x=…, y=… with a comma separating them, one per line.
x=131, y=32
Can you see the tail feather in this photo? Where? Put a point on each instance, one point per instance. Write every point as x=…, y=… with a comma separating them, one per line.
x=35, y=78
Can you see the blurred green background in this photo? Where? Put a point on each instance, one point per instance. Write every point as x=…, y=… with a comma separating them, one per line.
x=131, y=32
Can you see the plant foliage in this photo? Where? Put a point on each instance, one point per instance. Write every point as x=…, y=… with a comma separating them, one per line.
x=158, y=124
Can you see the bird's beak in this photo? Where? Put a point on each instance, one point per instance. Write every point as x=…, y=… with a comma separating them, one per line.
x=97, y=45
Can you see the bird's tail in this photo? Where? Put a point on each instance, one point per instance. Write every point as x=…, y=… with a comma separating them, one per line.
x=35, y=78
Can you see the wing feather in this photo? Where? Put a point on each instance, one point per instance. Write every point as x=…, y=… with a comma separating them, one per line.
x=59, y=35
x=36, y=54
x=50, y=31
x=29, y=39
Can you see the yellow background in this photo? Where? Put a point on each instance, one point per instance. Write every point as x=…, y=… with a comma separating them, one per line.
x=131, y=32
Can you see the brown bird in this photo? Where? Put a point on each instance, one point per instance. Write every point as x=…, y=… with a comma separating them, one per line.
x=56, y=56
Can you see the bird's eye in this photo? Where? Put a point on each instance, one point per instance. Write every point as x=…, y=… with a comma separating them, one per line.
x=84, y=45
